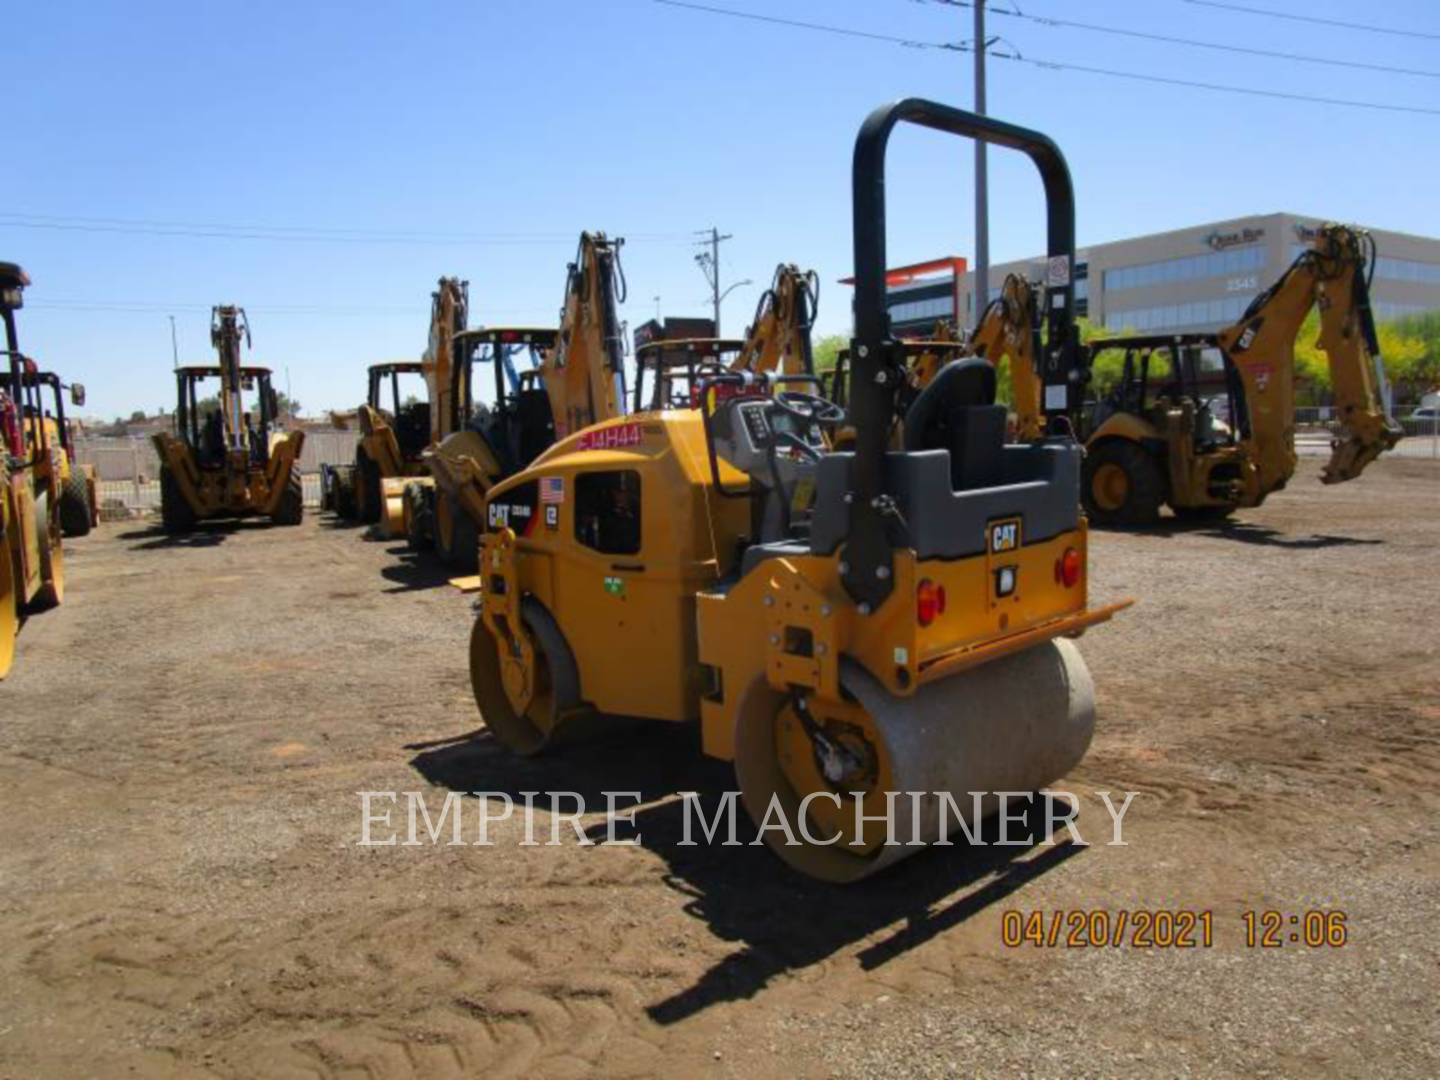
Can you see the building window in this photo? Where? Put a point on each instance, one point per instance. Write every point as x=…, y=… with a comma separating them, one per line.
x=1176, y=316
x=1386, y=312
x=1390, y=269
x=1189, y=268
x=607, y=511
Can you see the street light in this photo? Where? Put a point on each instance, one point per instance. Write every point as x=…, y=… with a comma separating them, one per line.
x=721, y=297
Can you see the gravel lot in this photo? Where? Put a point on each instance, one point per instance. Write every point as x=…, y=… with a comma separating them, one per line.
x=182, y=744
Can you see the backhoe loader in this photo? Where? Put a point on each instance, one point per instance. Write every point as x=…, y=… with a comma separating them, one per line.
x=391, y=442
x=842, y=626
x=1146, y=449
x=224, y=465
x=575, y=377
x=32, y=563
x=79, y=505
x=779, y=336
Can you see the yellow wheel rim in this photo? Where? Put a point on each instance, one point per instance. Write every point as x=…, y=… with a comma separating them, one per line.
x=795, y=753
x=1110, y=486
x=9, y=612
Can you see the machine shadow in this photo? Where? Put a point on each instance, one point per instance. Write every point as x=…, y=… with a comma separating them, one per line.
x=336, y=523
x=782, y=920
x=203, y=534
x=1262, y=535
x=411, y=571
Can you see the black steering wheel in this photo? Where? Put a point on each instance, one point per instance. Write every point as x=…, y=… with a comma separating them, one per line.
x=808, y=408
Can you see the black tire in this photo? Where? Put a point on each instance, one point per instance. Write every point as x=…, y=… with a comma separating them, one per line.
x=366, y=492
x=461, y=551
x=1121, y=485
x=176, y=515
x=419, y=528
x=344, y=493
x=291, y=510
x=75, y=510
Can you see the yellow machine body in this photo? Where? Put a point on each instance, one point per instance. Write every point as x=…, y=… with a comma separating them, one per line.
x=841, y=625
x=576, y=379
x=32, y=560
x=223, y=465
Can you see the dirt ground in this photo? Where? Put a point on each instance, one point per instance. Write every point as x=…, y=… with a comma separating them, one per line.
x=182, y=892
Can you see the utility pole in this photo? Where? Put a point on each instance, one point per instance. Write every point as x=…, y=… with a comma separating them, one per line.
x=981, y=277
x=709, y=263
x=174, y=345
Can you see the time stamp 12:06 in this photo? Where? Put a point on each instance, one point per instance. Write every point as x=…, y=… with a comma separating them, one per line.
x=1147, y=928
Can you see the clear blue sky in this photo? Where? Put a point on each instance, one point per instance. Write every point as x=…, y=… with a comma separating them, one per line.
x=534, y=120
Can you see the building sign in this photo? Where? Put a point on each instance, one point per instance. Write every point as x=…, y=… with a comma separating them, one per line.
x=1305, y=233
x=1218, y=241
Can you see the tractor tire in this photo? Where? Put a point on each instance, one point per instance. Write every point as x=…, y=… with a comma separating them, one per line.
x=291, y=509
x=366, y=494
x=419, y=526
x=345, y=495
x=1121, y=485
x=176, y=515
x=75, y=509
x=457, y=539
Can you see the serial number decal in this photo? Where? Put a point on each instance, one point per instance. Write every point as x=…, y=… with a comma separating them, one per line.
x=610, y=438
x=1139, y=929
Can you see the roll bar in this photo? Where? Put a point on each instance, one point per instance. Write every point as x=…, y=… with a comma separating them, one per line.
x=876, y=365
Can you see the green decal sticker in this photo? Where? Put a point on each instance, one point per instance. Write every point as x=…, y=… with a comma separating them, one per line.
x=615, y=586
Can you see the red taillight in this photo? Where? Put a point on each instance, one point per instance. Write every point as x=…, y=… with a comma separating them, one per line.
x=508, y=337
x=929, y=601
x=1067, y=568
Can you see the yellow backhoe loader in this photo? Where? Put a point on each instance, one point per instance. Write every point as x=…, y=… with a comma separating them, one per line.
x=1006, y=332
x=1145, y=450
x=79, y=504
x=391, y=442
x=32, y=563
x=840, y=626
x=779, y=336
x=1156, y=439
x=545, y=384
x=224, y=465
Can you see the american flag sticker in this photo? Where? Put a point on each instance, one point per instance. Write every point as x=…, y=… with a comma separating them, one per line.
x=552, y=489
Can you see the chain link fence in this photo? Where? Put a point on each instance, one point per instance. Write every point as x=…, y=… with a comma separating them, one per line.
x=127, y=469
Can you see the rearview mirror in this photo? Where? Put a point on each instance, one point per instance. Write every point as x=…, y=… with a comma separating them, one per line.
x=77, y=394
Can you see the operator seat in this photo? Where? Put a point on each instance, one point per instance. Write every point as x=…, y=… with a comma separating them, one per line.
x=957, y=412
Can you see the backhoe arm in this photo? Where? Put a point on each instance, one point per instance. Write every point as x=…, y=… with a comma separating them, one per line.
x=449, y=315
x=1007, y=329
x=584, y=374
x=227, y=326
x=1262, y=348
x=779, y=338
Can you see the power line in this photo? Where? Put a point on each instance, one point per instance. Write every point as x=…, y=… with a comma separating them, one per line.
x=1316, y=19
x=1217, y=46
x=1057, y=65
x=295, y=234
x=909, y=43
x=151, y=307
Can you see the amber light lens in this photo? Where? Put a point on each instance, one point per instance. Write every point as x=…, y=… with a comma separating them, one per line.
x=929, y=601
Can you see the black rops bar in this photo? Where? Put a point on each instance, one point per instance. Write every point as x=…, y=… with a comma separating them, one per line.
x=875, y=359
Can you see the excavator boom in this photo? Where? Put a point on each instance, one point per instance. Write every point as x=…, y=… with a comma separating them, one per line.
x=1007, y=329
x=585, y=373
x=779, y=338
x=1332, y=276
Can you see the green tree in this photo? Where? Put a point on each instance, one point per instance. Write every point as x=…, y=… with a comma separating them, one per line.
x=827, y=350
